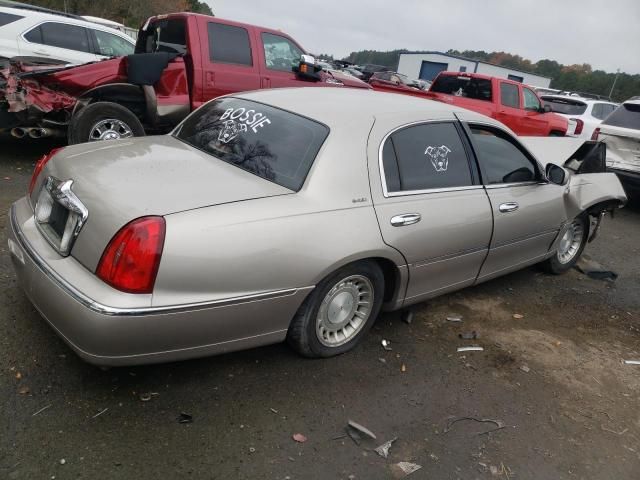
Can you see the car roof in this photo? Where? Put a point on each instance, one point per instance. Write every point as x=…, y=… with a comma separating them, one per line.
x=336, y=105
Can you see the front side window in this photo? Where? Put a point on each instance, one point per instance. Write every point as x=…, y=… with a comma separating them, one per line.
x=280, y=53
x=425, y=157
x=60, y=35
x=112, y=45
x=229, y=44
x=531, y=101
x=501, y=159
x=468, y=87
x=273, y=144
x=626, y=115
x=509, y=95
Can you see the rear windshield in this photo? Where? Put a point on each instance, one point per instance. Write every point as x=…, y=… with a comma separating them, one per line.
x=7, y=18
x=274, y=144
x=469, y=87
x=626, y=115
x=565, y=106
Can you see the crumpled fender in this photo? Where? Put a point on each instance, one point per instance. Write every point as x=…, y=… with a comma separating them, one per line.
x=586, y=190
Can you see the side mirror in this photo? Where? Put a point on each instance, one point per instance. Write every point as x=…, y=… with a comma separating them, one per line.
x=307, y=68
x=556, y=174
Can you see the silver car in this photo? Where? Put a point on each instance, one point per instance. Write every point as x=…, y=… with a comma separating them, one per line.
x=291, y=214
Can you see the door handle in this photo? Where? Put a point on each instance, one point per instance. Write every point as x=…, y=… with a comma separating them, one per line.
x=405, y=219
x=508, y=207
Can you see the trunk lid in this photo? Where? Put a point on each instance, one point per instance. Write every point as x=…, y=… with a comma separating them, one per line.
x=118, y=181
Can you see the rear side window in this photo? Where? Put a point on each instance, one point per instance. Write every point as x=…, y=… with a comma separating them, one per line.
x=509, y=95
x=164, y=36
x=229, y=44
x=468, y=87
x=7, y=18
x=60, y=35
x=273, y=144
x=626, y=115
x=425, y=157
x=565, y=106
x=501, y=159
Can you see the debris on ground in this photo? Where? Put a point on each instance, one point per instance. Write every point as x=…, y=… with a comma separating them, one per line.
x=383, y=450
x=525, y=369
x=593, y=269
x=468, y=335
x=454, y=318
x=273, y=410
x=498, y=423
x=382, y=360
x=146, y=396
x=298, y=437
x=402, y=469
x=185, y=418
x=24, y=390
x=386, y=344
x=18, y=375
x=632, y=362
x=41, y=410
x=252, y=450
x=518, y=316
x=361, y=429
x=407, y=316
x=470, y=349
x=62, y=461
x=403, y=368
x=100, y=412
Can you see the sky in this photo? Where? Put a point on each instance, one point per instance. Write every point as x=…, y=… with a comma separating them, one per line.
x=602, y=33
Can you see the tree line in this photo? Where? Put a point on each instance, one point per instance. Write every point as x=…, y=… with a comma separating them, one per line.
x=131, y=13
x=579, y=77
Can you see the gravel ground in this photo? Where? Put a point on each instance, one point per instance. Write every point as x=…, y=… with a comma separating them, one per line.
x=566, y=406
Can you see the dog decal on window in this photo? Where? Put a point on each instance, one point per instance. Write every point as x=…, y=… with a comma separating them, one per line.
x=438, y=157
x=231, y=130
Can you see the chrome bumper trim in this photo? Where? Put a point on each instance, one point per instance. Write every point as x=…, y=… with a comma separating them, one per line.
x=116, y=311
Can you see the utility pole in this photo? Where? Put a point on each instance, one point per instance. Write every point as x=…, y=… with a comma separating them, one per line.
x=614, y=83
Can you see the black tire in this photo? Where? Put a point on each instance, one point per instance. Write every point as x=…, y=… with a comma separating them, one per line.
x=302, y=335
x=83, y=123
x=554, y=264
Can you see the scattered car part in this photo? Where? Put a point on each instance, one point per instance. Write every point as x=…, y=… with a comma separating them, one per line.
x=361, y=429
x=405, y=468
x=383, y=450
x=470, y=349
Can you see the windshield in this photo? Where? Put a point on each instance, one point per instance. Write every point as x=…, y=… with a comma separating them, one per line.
x=565, y=106
x=626, y=115
x=468, y=87
x=273, y=144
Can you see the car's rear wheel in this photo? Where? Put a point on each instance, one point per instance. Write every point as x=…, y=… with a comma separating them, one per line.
x=339, y=311
x=570, y=246
x=103, y=121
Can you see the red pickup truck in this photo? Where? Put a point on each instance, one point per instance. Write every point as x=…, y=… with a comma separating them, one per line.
x=181, y=61
x=512, y=103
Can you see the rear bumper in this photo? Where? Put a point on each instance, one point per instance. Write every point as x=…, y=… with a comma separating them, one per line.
x=630, y=181
x=122, y=333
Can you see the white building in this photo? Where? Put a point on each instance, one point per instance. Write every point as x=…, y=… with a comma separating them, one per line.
x=427, y=65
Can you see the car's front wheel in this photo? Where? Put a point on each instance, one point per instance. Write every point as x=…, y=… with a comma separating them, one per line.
x=339, y=311
x=570, y=246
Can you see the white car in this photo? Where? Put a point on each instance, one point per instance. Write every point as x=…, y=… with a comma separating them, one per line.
x=58, y=38
x=583, y=114
x=620, y=131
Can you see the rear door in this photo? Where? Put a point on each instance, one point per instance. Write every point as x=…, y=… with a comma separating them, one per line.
x=278, y=55
x=59, y=41
x=528, y=212
x=229, y=61
x=429, y=203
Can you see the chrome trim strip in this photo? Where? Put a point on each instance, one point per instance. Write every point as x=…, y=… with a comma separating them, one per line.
x=405, y=193
x=494, y=186
x=102, y=309
x=451, y=256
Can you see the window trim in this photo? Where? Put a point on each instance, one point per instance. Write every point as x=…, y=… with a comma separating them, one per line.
x=542, y=180
x=476, y=182
x=90, y=39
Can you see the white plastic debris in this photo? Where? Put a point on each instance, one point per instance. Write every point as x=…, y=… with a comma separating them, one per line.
x=470, y=349
x=454, y=318
x=386, y=344
x=362, y=429
x=632, y=362
x=525, y=369
x=383, y=450
x=407, y=467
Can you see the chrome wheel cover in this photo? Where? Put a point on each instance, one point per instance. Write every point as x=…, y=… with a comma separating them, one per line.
x=344, y=311
x=110, y=129
x=570, y=242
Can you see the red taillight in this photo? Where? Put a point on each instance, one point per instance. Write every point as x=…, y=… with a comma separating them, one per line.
x=579, y=126
x=40, y=165
x=131, y=260
x=594, y=135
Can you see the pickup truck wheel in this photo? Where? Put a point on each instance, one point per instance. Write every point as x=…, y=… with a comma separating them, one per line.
x=103, y=121
x=339, y=311
x=570, y=246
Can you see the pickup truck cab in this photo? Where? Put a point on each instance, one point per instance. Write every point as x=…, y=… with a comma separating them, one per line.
x=181, y=61
x=512, y=103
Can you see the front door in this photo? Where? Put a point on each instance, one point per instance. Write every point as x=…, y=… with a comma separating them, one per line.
x=528, y=212
x=533, y=121
x=430, y=205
